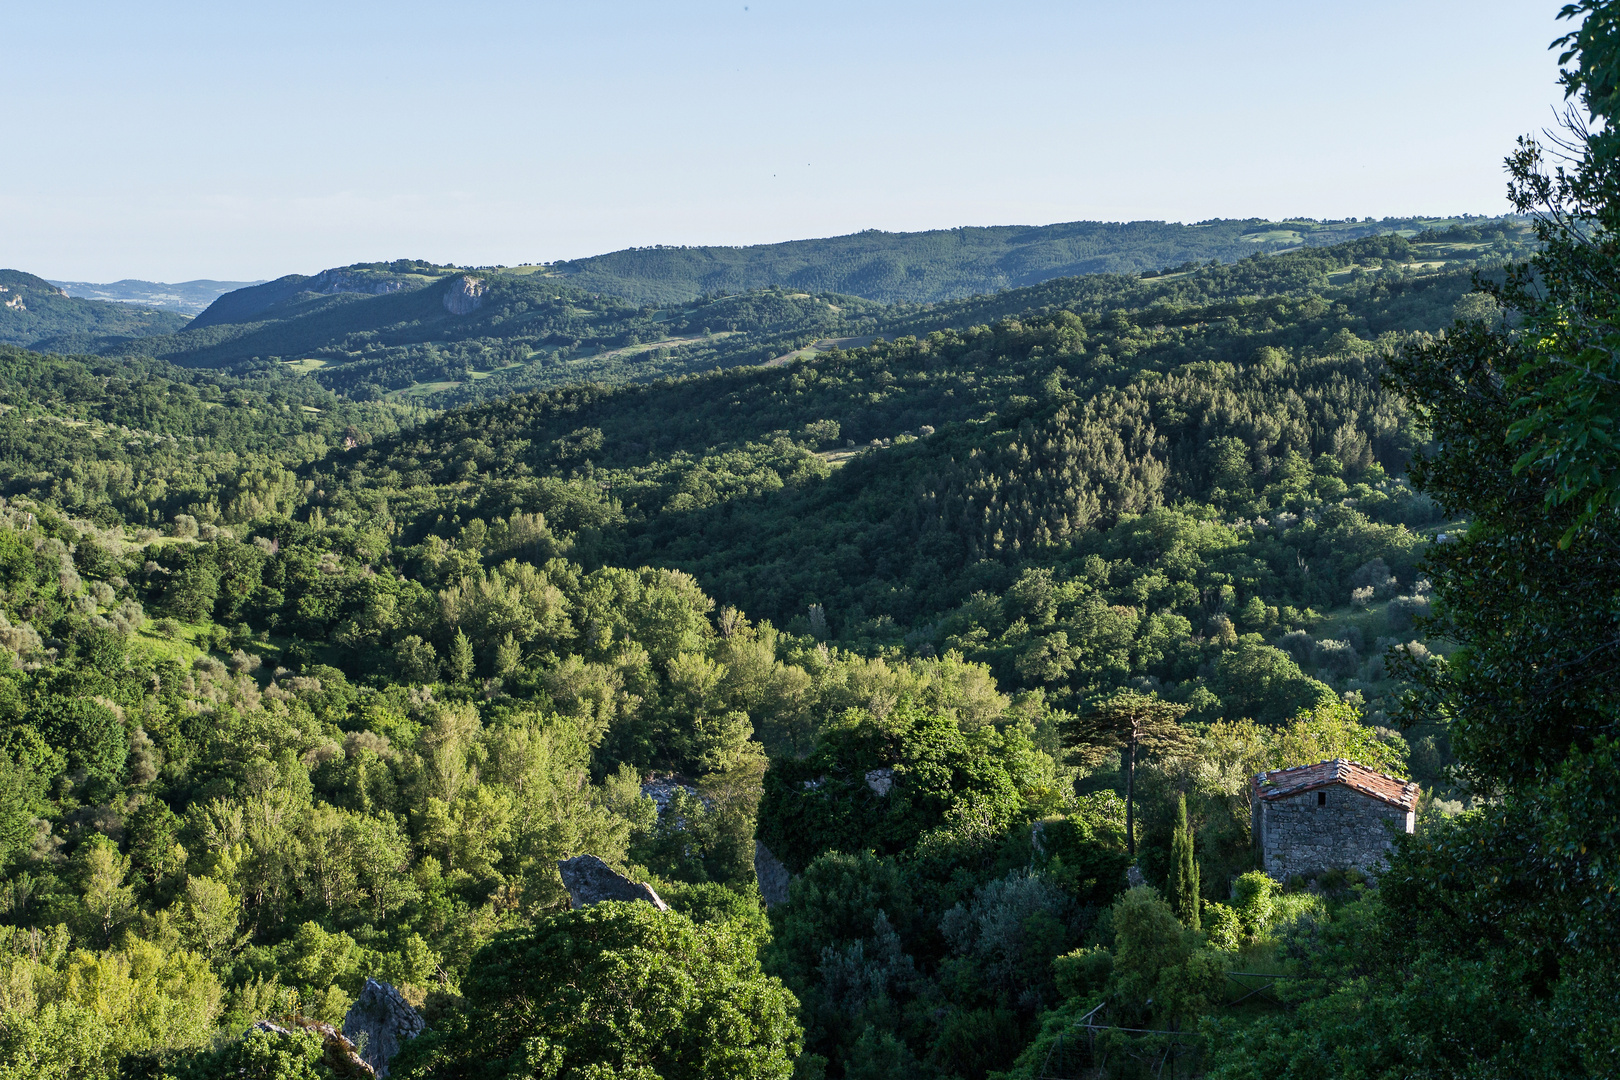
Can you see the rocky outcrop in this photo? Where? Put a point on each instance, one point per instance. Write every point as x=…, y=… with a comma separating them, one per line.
x=332, y=282
x=880, y=780
x=379, y=1022
x=465, y=295
x=589, y=881
x=772, y=875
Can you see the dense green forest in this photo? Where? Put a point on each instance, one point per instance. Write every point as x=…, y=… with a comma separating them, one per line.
x=311, y=688
x=982, y=622
x=308, y=689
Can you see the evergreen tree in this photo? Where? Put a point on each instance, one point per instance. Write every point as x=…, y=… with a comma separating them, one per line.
x=1132, y=723
x=461, y=658
x=1183, y=870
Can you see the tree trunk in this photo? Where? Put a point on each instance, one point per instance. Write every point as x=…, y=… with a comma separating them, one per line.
x=1130, y=799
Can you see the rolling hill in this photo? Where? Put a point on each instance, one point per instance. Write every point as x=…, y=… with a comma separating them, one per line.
x=945, y=264
x=442, y=336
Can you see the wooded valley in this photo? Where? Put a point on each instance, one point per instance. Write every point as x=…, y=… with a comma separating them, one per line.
x=334, y=620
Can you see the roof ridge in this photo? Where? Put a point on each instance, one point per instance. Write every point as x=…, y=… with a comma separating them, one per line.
x=1298, y=779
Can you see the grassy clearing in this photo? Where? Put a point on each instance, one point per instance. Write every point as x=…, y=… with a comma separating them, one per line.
x=424, y=389
x=814, y=349
x=1274, y=236
x=188, y=642
x=666, y=343
x=1372, y=621
x=306, y=366
x=839, y=458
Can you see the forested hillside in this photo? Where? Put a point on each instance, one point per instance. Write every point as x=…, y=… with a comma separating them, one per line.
x=306, y=689
x=433, y=335
x=443, y=336
x=946, y=264
x=974, y=610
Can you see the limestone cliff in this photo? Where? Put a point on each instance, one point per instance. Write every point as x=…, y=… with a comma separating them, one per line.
x=464, y=295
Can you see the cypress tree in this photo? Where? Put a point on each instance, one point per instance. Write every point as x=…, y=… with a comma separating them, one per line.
x=1183, y=870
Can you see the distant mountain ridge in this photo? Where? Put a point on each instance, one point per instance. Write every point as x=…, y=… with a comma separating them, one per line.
x=948, y=264
x=184, y=297
x=442, y=335
x=38, y=314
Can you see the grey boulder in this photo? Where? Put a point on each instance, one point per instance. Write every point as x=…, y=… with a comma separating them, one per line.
x=589, y=881
x=379, y=1022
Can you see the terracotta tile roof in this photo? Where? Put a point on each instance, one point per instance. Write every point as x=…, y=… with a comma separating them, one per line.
x=1281, y=783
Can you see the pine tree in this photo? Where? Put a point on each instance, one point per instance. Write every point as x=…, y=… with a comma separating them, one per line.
x=1130, y=722
x=461, y=658
x=1183, y=870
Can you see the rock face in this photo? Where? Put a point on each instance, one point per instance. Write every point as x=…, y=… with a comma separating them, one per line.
x=661, y=790
x=464, y=296
x=378, y=1022
x=589, y=881
x=337, y=281
x=773, y=876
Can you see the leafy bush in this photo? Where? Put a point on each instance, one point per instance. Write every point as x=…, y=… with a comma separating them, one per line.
x=619, y=986
x=831, y=800
x=1161, y=976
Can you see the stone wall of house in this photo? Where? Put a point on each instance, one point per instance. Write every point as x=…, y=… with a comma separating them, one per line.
x=1299, y=837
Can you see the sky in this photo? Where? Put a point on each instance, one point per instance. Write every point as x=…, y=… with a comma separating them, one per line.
x=172, y=141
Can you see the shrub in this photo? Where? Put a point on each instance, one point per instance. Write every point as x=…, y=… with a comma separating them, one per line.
x=1224, y=926
x=1337, y=658
x=1404, y=611
x=1083, y=973
x=1161, y=977
x=1010, y=931
x=1375, y=577
x=1252, y=896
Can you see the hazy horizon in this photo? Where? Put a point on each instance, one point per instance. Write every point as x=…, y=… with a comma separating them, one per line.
x=184, y=142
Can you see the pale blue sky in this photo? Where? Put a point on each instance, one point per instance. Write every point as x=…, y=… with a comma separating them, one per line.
x=173, y=141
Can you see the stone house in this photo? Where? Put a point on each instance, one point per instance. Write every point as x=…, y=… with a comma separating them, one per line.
x=1335, y=815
